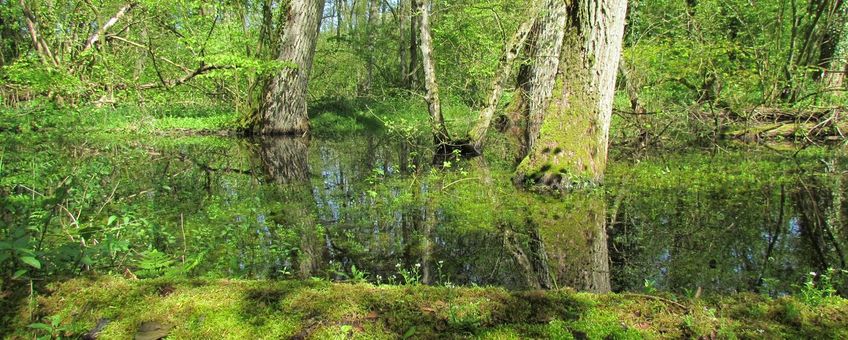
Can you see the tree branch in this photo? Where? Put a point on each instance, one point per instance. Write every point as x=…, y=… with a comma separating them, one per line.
x=111, y=22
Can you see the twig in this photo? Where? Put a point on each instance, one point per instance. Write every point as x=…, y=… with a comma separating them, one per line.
x=108, y=200
x=458, y=181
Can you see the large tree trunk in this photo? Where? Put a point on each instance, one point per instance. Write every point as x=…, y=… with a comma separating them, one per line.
x=434, y=104
x=283, y=110
x=571, y=96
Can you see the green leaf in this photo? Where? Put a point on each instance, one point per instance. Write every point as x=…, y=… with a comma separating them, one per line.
x=19, y=273
x=41, y=326
x=111, y=219
x=31, y=261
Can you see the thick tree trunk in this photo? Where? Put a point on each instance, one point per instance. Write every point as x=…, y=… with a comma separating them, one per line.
x=434, y=104
x=571, y=97
x=283, y=110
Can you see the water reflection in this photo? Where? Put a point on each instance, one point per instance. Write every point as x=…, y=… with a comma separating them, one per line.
x=370, y=208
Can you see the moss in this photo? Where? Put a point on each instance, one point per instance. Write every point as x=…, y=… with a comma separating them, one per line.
x=300, y=309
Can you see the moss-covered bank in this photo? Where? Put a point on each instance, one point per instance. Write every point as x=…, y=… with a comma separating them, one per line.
x=194, y=309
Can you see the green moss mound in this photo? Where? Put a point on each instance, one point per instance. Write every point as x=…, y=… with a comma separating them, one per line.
x=116, y=308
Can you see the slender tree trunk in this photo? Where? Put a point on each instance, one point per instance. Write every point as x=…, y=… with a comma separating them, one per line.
x=571, y=96
x=373, y=10
x=283, y=110
x=38, y=41
x=477, y=135
x=437, y=121
x=412, y=76
x=403, y=21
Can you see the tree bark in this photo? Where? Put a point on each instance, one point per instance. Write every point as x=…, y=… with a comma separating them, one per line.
x=283, y=110
x=437, y=121
x=38, y=42
x=412, y=75
x=477, y=135
x=373, y=12
x=571, y=96
x=89, y=43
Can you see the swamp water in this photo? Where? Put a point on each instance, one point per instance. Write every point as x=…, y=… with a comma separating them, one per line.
x=372, y=208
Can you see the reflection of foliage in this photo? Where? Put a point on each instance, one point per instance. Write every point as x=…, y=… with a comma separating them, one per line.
x=723, y=222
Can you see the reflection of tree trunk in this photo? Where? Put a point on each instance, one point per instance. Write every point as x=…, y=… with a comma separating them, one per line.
x=426, y=243
x=513, y=246
x=813, y=206
x=285, y=160
x=576, y=244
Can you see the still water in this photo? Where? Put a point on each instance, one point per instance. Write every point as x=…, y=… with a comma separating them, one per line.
x=374, y=208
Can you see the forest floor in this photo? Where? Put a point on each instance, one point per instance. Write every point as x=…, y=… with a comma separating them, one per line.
x=113, y=307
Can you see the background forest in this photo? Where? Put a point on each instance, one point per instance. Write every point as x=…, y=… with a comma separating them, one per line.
x=691, y=67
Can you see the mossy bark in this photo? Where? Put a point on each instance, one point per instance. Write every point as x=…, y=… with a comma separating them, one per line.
x=568, y=119
x=576, y=240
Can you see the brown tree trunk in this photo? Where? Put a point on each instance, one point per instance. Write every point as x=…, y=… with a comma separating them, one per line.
x=437, y=121
x=571, y=96
x=283, y=110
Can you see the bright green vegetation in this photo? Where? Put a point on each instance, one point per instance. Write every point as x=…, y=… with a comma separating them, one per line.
x=131, y=190
x=318, y=309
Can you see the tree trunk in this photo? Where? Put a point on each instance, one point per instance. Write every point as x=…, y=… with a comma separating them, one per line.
x=412, y=76
x=477, y=135
x=571, y=96
x=373, y=9
x=283, y=110
x=437, y=121
x=403, y=21
x=89, y=43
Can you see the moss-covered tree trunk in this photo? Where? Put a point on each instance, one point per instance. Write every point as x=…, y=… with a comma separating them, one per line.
x=283, y=110
x=570, y=91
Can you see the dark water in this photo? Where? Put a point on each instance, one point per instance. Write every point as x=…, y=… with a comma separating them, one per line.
x=373, y=208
